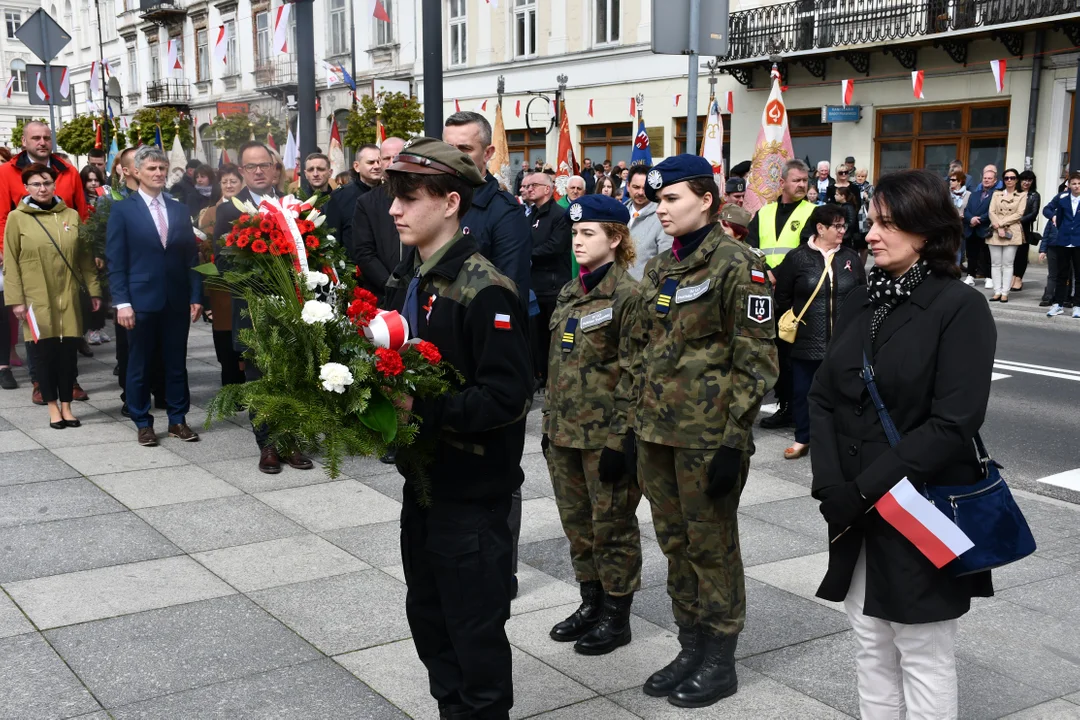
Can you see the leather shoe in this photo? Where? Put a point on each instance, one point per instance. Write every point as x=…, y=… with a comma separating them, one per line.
x=147, y=437
x=74, y=422
x=689, y=659
x=613, y=630
x=77, y=393
x=269, y=462
x=298, y=461
x=585, y=617
x=35, y=396
x=59, y=425
x=7, y=380
x=780, y=419
x=124, y=410
x=715, y=679
x=182, y=432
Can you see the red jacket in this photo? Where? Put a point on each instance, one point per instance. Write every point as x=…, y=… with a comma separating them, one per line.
x=69, y=188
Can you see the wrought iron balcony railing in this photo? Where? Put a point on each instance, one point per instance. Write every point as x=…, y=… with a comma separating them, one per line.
x=278, y=71
x=808, y=25
x=168, y=92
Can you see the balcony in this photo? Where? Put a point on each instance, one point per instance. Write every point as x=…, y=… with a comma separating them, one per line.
x=806, y=30
x=276, y=75
x=162, y=12
x=174, y=92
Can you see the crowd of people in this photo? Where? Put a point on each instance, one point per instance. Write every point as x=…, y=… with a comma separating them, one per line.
x=644, y=304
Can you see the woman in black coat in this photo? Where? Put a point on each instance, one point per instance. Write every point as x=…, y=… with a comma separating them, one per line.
x=796, y=279
x=931, y=341
x=1028, y=222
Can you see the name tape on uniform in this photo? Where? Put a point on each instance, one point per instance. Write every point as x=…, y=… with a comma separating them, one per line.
x=687, y=294
x=596, y=319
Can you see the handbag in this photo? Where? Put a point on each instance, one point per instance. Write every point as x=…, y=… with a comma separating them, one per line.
x=986, y=511
x=86, y=307
x=788, y=324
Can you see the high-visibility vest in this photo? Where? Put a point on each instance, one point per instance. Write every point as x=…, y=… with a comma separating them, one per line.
x=775, y=248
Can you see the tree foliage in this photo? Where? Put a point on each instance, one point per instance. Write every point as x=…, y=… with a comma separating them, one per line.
x=17, y=131
x=402, y=117
x=232, y=131
x=77, y=136
x=144, y=122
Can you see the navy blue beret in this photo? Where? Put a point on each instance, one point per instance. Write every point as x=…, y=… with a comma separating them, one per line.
x=676, y=169
x=598, y=208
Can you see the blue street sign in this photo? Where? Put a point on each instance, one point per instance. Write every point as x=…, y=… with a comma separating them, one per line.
x=840, y=113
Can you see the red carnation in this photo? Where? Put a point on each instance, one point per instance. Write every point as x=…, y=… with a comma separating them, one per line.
x=365, y=295
x=243, y=218
x=259, y=246
x=361, y=312
x=229, y=241
x=429, y=351
x=266, y=226
x=312, y=242
x=242, y=242
x=388, y=362
x=305, y=226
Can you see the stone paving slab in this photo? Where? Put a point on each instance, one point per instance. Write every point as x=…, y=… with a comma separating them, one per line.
x=35, y=683
x=12, y=620
x=219, y=522
x=245, y=475
x=15, y=440
x=279, y=562
x=107, y=458
x=333, y=505
x=163, y=485
x=53, y=500
x=111, y=432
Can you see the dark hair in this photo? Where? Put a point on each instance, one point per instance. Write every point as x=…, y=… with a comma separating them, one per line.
x=96, y=153
x=402, y=183
x=37, y=169
x=918, y=203
x=826, y=215
x=1074, y=175
x=1028, y=175
x=959, y=177
x=5, y=154
x=194, y=164
x=362, y=148
x=636, y=170
x=251, y=145
x=701, y=185
x=316, y=156
x=1014, y=171
x=851, y=194
x=229, y=169
x=204, y=170
x=600, y=184
x=468, y=117
x=89, y=170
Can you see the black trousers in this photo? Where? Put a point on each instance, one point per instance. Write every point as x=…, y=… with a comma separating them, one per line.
x=5, y=332
x=978, y=257
x=783, y=390
x=157, y=368
x=1068, y=274
x=456, y=557
x=542, y=337
x=262, y=432
x=56, y=365
x=1020, y=264
x=228, y=358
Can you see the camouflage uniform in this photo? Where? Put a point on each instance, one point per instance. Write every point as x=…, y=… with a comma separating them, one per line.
x=703, y=357
x=583, y=369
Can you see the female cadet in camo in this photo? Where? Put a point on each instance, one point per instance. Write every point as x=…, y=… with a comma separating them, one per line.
x=585, y=438
x=701, y=338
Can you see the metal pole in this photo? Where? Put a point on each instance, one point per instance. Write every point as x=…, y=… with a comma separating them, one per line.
x=1033, y=99
x=48, y=88
x=305, y=76
x=352, y=46
x=101, y=68
x=691, y=91
x=1074, y=155
x=433, y=89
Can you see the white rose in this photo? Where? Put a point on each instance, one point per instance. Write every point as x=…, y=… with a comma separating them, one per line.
x=314, y=278
x=335, y=377
x=316, y=311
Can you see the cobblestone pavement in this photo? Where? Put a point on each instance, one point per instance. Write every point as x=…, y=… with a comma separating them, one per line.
x=179, y=582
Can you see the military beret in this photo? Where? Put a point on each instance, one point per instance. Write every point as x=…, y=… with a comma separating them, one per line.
x=598, y=208
x=676, y=169
x=733, y=214
x=741, y=170
x=735, y=185
x=428, y=156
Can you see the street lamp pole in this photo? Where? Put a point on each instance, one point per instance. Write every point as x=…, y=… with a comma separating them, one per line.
x=433, y=51
x=305, y=76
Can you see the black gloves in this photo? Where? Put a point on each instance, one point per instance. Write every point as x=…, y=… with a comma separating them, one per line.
x=545, y=443
x=843, y=506
x=615, y=464
x=630, y=451
x=724, y=471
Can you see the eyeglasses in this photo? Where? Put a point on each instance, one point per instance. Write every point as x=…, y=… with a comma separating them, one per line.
x=530, y=186
x=840, y=226
x=252, y=167
x=1010, y=177
x=40, y=185
x=843, y=172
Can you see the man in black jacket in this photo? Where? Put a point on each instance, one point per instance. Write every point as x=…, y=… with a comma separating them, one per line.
x=373, y=245
x=368, y=169
x=550, y=262
x=457, y=548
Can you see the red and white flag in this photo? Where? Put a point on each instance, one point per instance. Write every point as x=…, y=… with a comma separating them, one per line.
x=378, y=11
x=917, y=77
x=270, y=142
x=482, y=107
x=590, y=107
x=847, y=91
x=998, y=68
x=281, y=29
x=107, y=67
x=551, y=108
x=633, y=107
x=457, y=105
x=729, y=101
x=502, y=322
x=675, y=99
x=712, y=142
x=172, y=58
x=42, y=93
x=65, y=83
x=773, y=149
x=517, y=108
x=928, y=529
x=95, y=80
x=9, y=87
x=31, y=322
x=221, y=47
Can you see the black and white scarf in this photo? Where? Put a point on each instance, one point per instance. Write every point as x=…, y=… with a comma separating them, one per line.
x=887, y=292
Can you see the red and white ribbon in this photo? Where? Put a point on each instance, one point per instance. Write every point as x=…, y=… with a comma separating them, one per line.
x=388, y=330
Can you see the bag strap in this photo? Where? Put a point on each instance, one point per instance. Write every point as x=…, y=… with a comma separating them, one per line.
x=79, y=280
x=820, y=282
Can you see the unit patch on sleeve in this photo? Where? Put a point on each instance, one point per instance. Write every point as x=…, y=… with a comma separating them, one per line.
x=502, y=322
x=693, y=292
x=757, y=276
x=596, y=319
x=759, y=308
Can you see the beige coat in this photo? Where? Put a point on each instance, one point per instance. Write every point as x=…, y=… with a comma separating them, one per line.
x=36, y=276
x=1005, y=212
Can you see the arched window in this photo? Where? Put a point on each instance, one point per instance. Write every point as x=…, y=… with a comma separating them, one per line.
x=18, y=71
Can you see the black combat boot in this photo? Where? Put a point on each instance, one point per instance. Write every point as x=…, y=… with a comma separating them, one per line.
x=585, y=617
x=613, y=630
x=715, y=679
x=683, y=666
x=454, y=712
x=782, y=418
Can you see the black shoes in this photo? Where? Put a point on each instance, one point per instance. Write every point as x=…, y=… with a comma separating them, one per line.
x=1044, y=303
x=714, y=680
x=390, y=458
x=613, y=630
x=689, y=659
x=7, y=380
x=585, y=617
x=780, y=419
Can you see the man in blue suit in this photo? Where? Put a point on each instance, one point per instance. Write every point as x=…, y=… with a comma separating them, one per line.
x=151, y=251
x=977, y=228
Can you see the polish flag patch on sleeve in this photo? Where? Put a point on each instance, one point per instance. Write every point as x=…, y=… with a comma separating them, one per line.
x=502, y=322
x=757, y=276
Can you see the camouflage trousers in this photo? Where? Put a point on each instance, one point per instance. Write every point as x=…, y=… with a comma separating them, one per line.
x=698, y=535
x=598, y=519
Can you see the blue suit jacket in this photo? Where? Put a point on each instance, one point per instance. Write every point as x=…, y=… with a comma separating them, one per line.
x=977, y=207
x=143, y=273
x=1060, y=211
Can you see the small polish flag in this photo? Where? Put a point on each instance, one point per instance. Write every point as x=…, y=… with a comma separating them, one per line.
x=917, y=77
x=482, y=107
x=730, y=101
x=281, y=29
x=757, y=276
x=65, y=83
x=107, y=67
x=591, y=108
x=998, y=68
x=31, y=322
x=502, y=322
x=928, y=529
x=220, y=46
x=551, y=107
x=9, y=87
x=457, y=105
x=675, y=99
x=517, y=108
x=633, y=107
x=172, y=61
x=378, y=11
x=847, y=91
x=42, y=93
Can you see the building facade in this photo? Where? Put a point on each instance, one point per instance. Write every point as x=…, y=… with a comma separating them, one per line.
x=16, y=56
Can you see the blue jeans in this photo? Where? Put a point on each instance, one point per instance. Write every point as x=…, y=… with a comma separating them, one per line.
x=802, y=376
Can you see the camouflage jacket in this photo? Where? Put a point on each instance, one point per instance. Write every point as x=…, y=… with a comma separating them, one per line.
x=584, y=362
x=701, y=339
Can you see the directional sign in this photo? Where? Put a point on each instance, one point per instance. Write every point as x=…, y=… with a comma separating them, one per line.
x=43, y=36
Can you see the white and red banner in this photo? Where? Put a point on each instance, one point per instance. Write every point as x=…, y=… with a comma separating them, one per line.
x=998, y=68
x=566, y=164
x=65, y=83
x=95, y=80
x=388, y=330
x=633, y=107
x=729, y=101
x=591, y=108
x=517, y=108
x=917, y=77
x=712, y=142
x=482, y=107
x=847, y=91
x=9, y=87
x=333, y=74
x=281, y=29
x=39, y=88
x=221, y=47
x=772, y=151
x=916, y=518
x=675, y=99
x=336, y=152
x=31, y=322
x=172, y=57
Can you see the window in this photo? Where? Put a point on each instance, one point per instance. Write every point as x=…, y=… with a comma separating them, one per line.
x=811, y=139
x=458, y=33
x=524, y=28
x=18, y=71
x=69, y=16
x=206, y=137
x=680, y=137
x=339, y=25
x=608, y=142
x=932, y=137
x=527, y=145
x=607, y=21
x=179, y=42
x=155, y=62
x=262, y=38
x=202, y=55
x=384, y=31
x=231, y=65
x=13, y=19
x=132, y=70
